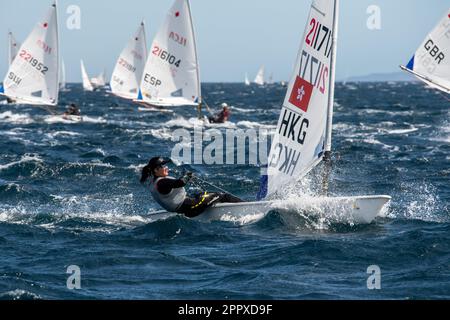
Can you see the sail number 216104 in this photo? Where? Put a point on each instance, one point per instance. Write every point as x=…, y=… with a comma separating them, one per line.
x=166, y=56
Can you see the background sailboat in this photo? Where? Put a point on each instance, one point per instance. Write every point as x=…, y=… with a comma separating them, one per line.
x=171, y=75
x=246, y=81
x=127, y=74
x=259, y=79
x=431, y=62
x=87, y=84
x=13, y=47
x=33, y=77
x=99, y=81
x=62, y=81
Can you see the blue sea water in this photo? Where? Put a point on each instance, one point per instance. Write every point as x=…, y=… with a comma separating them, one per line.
x=70, y=195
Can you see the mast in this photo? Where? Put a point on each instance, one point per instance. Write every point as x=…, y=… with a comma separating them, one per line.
x=9, y=46
x=199, y=107
x=329, y=127
x=55, y=4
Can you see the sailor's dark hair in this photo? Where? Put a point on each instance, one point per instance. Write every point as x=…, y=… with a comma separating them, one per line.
x=146, y=173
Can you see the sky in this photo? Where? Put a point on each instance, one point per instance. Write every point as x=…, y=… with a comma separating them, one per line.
x=233, y=36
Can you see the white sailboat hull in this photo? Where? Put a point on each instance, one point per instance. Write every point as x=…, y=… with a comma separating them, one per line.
x=17, y=100
x=175, y=102
x=355, y=210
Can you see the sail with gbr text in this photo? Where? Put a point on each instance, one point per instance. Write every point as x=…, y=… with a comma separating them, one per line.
x=431, y=62
x=301, y=135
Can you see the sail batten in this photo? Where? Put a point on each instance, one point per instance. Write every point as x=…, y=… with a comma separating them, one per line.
x=33, y=75
x=171, y=73
x=431, y=61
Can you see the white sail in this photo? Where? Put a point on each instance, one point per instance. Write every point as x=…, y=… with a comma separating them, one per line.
x=87, y=85
x=301, y=136
x=247, y=82
x=13, y=48
x=431, y=62
x=99, y=81
x=32, y=77
x=259, y=80
x=62, y=81
x=171, y=74
x=127, y=74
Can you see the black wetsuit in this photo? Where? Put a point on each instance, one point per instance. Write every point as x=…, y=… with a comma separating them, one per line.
x=220, y=118
x=193, y=207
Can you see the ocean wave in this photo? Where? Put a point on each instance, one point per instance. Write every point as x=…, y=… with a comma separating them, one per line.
x=52, y=119
x=24, y=159
x=15, y=118
x=19, y=294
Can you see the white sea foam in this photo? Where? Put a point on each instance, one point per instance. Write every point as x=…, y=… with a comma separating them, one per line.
x=85, y=119
x=19, y=294
x=15, y=118
x=23, y=159
x=244, y=110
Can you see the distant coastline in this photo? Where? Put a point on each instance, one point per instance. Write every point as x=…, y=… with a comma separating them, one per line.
x=382, y=77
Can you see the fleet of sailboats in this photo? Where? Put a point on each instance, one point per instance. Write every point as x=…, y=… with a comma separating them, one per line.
x=168, y=76
x=431, y=62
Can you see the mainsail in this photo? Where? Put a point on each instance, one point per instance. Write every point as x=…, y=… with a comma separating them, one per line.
x=13, y=48
x=303, y=134
x=127, y=74
x=431, y=62
x=32, y=77
x=259, y=79
x=171, y=74
x=99, y=81
x=246, y=81
x=87, y=85
x=62, y=81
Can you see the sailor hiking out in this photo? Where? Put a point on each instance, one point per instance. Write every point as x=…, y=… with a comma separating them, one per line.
x=170, y=193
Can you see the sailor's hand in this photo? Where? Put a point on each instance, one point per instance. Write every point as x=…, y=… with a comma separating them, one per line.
x=188, y=176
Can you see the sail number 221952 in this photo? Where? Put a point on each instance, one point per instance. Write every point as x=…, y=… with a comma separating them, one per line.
x=39, y=66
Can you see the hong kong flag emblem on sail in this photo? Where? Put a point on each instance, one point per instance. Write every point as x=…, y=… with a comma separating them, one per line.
x=301, y=94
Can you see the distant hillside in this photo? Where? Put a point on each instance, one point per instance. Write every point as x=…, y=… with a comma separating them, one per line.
x=382, y=77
